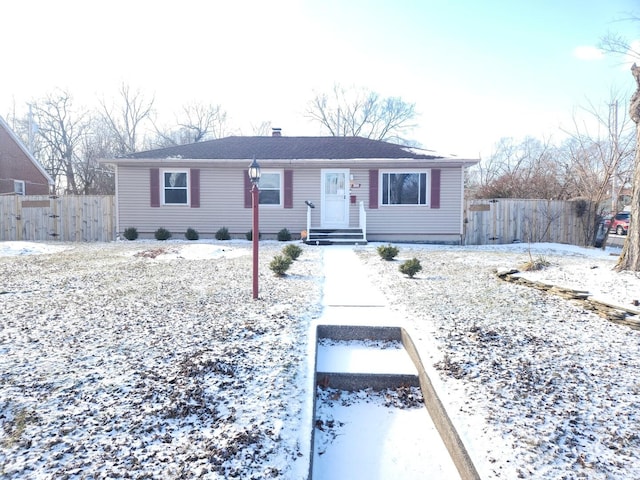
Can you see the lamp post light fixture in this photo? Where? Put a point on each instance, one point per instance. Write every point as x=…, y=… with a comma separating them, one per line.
x=254, y=176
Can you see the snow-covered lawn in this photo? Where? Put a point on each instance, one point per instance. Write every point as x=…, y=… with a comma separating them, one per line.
x=537, y=386
x=151, y=360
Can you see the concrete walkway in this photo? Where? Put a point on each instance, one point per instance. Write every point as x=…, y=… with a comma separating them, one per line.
x=346, y=282
x=350, y=297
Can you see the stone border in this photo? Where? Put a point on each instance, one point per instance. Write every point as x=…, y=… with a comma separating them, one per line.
x=438, y=413
x=620, y=314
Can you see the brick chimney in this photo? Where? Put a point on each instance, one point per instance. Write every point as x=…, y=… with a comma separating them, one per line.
x=276, y=132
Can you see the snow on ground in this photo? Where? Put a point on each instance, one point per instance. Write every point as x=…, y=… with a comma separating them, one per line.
x=374, y=434
x=537, y=386
x=139, y=360
x=9, y=249
x=150, y=360
x=378, y=435
x=363, y=357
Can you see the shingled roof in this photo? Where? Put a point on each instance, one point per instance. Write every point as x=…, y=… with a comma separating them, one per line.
x=278, y=147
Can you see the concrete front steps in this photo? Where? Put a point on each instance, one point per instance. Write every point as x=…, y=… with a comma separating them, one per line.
x=333, y=236
x=440, y=452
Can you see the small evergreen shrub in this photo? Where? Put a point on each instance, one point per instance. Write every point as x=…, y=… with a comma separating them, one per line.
x=223, y=234
x=162, y=234
x=130, y=233
x=280, y=264
x=292, y=251
x=191, y=234
x=249, y=235
x=387, y=252
x=411, y=267
x=284, y=235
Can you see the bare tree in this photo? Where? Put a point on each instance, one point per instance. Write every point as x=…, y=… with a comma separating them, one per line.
x=597, y=159
x=262, y=129
x=125, y=120
x=61, y=131
x=520, y=170
x=197, y=122
x=630, y=256
x=618, y=45
x=204, y=121
x=593, y=165
x=362, y=112
x=97, y=179
x=614, y=43
x=68, y=142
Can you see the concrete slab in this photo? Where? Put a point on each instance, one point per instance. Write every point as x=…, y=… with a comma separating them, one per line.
x=357, y=357
x=348, y=284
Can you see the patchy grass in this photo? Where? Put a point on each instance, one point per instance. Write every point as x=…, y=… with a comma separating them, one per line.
x=15, y=428
x=532, y=265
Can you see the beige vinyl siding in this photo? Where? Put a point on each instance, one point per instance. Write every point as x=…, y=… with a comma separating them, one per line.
x=222, y=204
x=408, y=222
x=134, y=200
x=360, y=190
x=275, y=218
x=306, y=187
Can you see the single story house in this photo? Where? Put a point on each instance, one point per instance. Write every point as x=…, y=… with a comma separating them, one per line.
x=335, y=188
x=20, y=172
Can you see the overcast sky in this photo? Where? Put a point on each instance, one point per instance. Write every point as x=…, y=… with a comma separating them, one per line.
x=477, y=70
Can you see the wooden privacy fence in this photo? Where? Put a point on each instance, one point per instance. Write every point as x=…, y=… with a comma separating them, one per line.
x=77, y=218
x=505, y=220
x=93, y=219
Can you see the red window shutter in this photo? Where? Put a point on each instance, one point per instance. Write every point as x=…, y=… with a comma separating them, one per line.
x=373, y=188
x=288, y=189
x=195, y=187
x=435, y=188
x=154, y=183
x=247, y=190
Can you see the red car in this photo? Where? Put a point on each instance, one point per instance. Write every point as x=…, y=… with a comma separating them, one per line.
x=620, y=223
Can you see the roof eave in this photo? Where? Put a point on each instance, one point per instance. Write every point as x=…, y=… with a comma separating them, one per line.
x=442, y=161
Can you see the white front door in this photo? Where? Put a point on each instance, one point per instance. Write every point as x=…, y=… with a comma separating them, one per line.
x=335, y=199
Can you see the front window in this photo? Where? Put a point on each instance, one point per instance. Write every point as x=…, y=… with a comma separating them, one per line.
x=175, y=188
x=270, y=186
x=18, y=187
x=404, y=188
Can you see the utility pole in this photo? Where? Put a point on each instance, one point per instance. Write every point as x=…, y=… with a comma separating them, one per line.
x=616, y=158
x=30, y=130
